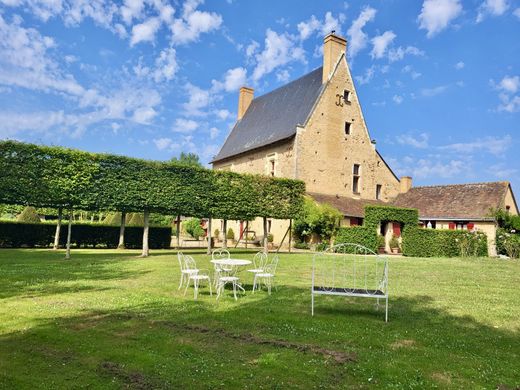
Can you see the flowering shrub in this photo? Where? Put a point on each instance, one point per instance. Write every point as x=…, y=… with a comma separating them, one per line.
x=508, y=242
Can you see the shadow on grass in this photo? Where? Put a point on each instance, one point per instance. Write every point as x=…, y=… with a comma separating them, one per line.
x=261, y=340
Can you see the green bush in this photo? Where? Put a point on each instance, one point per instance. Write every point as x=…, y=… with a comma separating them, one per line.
x=230, y=235
x=316, y=218
x=360, y=235
x=443, y=243
x=394, y=242
x=193, y=228
x=270, y=237
x=508, y=243
x=216, y=233
x=301, y=245
x=380, y=241
x=29, y=215
x=17, y=235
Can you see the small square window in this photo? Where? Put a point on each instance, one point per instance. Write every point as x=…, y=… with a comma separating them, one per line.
x=347, y=128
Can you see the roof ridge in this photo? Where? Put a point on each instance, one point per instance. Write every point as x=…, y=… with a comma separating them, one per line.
x=463, y=184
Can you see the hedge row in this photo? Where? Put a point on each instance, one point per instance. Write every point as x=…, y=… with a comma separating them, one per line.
x=17, y=235
x=376, y=214
x=362, y=235
x=443, y=243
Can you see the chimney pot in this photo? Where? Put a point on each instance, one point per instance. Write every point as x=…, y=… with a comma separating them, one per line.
x=333, y=47
x=245, y=97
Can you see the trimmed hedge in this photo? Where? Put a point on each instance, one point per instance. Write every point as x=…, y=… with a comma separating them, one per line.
x=375, y=214
x=443, y=243
x=362, y=235
x=17, y=235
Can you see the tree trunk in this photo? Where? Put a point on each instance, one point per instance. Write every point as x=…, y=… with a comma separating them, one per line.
x=290, y=235
x=265, y=236
x=247, y=228
x=178, y=231
x=224, y=245
x=69, y=232
x=209, y=237
x=146, y=249
x=58, y=229
x=121, y=244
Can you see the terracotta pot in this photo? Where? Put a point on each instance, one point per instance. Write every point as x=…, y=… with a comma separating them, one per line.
x=395, y=250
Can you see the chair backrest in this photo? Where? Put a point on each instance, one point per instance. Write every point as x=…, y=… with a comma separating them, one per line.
x=189, y=263
x=350, y=267
x=260, y=260
x=219, y=254
x=180, y=257
x=272, y=265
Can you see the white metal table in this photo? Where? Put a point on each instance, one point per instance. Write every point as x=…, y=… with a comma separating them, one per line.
x=235, y=263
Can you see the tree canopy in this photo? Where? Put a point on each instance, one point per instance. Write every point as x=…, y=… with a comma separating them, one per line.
x=187, y=159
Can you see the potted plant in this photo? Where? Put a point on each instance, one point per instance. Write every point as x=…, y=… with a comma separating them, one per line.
x=381, y=244
x=230, y=237
x=394, y=244
x=216, y=235
x=270, y=239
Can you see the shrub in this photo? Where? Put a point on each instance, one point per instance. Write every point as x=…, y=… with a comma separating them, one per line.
x=301, y=245
x=216, y=233
x=394, y=242
x=16, y=235
x=380, y=241
x=320, y=247
x=29, y=215
x=270, y=237
x=360, y=235
x=508, y=243
x=230, y=235
x=443, y=243
x=320, y=219
x=193, y=228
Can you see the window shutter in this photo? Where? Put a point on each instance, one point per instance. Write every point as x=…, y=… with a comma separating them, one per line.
x=451, y=226
x=471, y=226
x=397, y=230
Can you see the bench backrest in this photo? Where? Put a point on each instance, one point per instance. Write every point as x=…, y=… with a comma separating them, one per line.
x=350, y=267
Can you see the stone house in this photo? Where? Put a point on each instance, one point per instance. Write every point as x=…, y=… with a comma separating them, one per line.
x=312, y=129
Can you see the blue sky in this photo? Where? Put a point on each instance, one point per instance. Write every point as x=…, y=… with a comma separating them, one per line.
x=438, y=80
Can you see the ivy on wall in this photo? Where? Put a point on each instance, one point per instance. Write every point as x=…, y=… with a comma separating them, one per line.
x=374, y=215
x=362, y=235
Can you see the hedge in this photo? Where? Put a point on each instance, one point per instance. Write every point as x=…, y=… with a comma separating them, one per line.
x=16, y=235
x=443, y=243
x=362, y=235
x=375, y=214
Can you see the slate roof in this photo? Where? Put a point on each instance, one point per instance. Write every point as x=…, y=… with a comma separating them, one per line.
x=274, y=116
x=457, y=201
x=348, y=206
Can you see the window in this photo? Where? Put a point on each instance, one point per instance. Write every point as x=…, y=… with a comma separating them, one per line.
x=378, y=191
x=346, y=96
x=356, y=175
x=347, y=128
x=271, y=165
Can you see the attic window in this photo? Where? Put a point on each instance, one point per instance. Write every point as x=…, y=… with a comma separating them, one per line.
x=346, y=96
x=508, y=208
x=347, y=128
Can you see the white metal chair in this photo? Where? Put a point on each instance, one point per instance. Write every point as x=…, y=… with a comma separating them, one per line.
x=267, y=275
x=184, y=272
x=259, y=262
x=196, y=275
x=230, y=278
x=219, y=269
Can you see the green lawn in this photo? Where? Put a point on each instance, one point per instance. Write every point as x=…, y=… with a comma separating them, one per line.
x=107, y=319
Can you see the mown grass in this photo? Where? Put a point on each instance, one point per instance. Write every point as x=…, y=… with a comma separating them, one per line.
x=107, y=319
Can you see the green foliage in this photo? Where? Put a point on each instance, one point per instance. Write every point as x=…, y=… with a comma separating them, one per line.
x=56, y=177
x=193, y=228
x=136, y=219
x=508, y=242
x=361, y=235
x=443, y=243
x=270, y=237
x=216, y=233
x=320, y=219
x=506, y=220
x=230, y=235
x=16, y=235
x=29, y=215
x=301, y=245
x=187, y=159
x=394, y=242
x=380, y=241
x=375, y=214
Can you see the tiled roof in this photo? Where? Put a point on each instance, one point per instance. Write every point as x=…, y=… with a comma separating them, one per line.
x=462, y=201
x=274, y=116
x=348, y=206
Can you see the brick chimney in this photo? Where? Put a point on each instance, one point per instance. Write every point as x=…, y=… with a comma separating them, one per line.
x=333, y=47
x=245, y=98
x=406, y=184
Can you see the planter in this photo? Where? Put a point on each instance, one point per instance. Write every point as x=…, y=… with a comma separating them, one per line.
x=230, y=242
x=381, y=250
x=395, y=251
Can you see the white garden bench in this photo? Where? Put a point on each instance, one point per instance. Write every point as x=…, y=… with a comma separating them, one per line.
x=350, y=270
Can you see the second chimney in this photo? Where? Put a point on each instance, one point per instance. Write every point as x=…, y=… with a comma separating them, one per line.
x=406, y=184
x=245, y=98
x=333, y=47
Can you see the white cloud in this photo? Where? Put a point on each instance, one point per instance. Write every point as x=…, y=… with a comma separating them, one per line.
x=459, y=65
x=234, y=79
x=493, y=145
x=185, y=125
x=508, y=87
x=399, y=53
x=165, y=65
x=322, y=27
x=397, y=99
x=252, y=48
x=516, y=12
x=222, y=114
x=144, y=115
x=166, y=144
x=279, y=50
x=419, y=142
x=283, y=76
x=431, y=167
x=436, y=15
x=509, y=84
x=357, y=37
x=492, y=7
x=430, y=92
x=213, y=133
x=409, y=69
x=193, y=23
x=381, y=43
x=502, y=171
x=198, y=100
x=367, y=77
x=306, y=29
x=132, y=9
x=145, y=32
